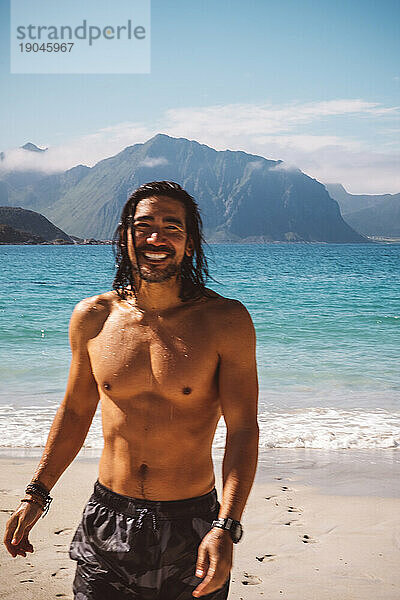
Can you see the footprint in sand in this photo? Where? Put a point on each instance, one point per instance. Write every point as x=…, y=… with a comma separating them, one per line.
x=56, y=572
x=306, y=539
x=9, y=511
x=268, y=556
x=66, y=530
x=251, y=579
x=26, y=581
x=293, y=509
x=270, y=497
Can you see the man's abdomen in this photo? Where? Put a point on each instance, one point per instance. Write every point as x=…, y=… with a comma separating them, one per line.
x=160, y=460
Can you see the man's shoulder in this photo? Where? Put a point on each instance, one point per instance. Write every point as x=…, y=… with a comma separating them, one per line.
x=95, y=305
x=227, y=311
x=224, y=303
x=92, y=312
x=231, y=325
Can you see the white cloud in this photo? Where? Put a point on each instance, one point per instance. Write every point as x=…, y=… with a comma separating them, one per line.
x=86, y=150
x=286, y=132
x=153, y=162
x=285, y=166
x=256, y=164
x=251, y=119
x=307, y=142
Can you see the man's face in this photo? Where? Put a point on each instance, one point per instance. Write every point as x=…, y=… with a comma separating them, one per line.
x=160, y=238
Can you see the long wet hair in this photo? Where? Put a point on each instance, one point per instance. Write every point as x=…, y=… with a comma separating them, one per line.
x=194, y=269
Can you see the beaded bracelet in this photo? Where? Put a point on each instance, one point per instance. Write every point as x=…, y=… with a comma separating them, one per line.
x=47, y=506
x=40, y=491
x=36, y=496
x=39, y=484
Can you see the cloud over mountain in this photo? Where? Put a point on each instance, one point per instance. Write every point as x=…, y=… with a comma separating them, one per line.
x=312, y=136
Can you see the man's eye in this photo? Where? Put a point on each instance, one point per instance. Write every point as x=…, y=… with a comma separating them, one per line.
x=174, y=228
x=141, y=225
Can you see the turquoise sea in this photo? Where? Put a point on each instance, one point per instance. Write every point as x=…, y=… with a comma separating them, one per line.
x=327, y=318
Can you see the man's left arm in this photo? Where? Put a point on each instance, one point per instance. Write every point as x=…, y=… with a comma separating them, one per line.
x=238, y=393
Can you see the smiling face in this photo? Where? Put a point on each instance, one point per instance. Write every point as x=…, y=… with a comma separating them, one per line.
x=160, y=239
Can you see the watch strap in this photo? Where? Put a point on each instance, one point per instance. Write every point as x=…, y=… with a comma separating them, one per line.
x=224, y=523
x=234, y=527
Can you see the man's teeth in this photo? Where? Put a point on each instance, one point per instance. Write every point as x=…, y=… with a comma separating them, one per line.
x=155, y=256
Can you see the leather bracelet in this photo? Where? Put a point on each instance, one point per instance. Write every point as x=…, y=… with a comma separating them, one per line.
x=37, y=497
x=33, y=501
x=37, y=489
x=45, y=507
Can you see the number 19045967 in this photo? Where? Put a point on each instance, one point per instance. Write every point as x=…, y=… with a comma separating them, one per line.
x=48, y=47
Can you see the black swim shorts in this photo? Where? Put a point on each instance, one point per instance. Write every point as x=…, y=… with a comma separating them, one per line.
x=132, y=549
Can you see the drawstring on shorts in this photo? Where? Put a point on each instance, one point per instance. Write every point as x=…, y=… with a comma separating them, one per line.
x=143, y=513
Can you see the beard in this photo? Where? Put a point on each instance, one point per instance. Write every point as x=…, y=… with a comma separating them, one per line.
x=150, y=275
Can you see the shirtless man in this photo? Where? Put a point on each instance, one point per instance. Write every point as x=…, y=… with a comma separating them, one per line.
x=166, y=357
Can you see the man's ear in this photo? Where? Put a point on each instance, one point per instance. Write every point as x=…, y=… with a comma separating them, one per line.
x=189, y=250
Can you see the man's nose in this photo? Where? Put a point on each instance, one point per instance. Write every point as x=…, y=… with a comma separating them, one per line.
x=155, y=237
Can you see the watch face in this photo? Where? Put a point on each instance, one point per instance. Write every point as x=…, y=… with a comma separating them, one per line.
x=236, y=532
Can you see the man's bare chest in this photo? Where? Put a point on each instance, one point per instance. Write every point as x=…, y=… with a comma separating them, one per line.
x=176, y=358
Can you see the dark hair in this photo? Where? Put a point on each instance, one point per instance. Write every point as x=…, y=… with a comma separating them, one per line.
x=194, y=269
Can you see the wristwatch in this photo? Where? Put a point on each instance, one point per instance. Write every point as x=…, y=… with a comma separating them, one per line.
x=234, y=527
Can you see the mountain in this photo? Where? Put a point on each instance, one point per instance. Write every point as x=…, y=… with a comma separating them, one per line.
x=35, y=190
x=32, y=147
x=350, y=203
x=373, y=215
x=10, y=235
x=31, y=223
x=381, y=220
x=242, y=197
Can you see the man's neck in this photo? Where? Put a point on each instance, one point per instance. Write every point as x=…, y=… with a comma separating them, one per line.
x=158, y=297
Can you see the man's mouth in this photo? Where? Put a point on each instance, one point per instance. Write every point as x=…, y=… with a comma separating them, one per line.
x=156, y=256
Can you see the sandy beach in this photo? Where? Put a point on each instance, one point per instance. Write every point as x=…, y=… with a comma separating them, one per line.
x=317, y=525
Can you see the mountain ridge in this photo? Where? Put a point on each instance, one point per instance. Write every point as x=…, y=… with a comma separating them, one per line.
x=241, y=196
x=370, y=214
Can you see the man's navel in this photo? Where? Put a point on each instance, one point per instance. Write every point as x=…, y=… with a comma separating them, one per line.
x=143, y=470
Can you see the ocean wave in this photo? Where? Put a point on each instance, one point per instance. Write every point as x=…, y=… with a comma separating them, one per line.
x=329, y=429
x=319, y=428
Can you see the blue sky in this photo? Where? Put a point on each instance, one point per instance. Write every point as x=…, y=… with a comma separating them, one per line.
x=314, y=83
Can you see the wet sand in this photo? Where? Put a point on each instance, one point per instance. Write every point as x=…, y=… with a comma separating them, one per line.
x=323, y=525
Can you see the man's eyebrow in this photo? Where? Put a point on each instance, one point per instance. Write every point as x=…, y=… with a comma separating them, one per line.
x=167, y=219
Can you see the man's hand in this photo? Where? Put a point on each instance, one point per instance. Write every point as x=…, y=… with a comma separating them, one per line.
x=18, y=527
x=214, y=561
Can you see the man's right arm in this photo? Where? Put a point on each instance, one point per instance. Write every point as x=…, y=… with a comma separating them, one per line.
x=70, y=425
